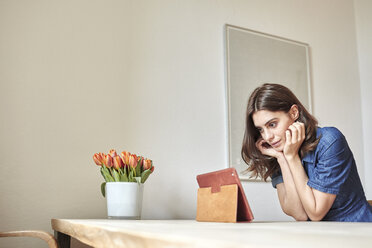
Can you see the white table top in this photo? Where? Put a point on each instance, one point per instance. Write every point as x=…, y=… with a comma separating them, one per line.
x=189, y=233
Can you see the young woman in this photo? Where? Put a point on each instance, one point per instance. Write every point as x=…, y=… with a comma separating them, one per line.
x=312, y=168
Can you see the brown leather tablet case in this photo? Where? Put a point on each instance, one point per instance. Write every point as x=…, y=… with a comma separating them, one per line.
x=221, y=198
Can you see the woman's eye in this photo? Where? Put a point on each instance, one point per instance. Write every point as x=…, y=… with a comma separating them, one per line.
x=272, y=124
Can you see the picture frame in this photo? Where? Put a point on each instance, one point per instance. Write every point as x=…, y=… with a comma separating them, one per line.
x=254, y=58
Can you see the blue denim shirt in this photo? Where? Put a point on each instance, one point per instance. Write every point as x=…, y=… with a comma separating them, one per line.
x=331, y=169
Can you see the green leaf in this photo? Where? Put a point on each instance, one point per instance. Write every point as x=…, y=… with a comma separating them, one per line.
x=131, y=176
x=107, y=175
x=116, y=175
x=103, y=189
x=104, y=174
x=145, y=174
x=101, y=170
x=138, y=168
x=123, y=177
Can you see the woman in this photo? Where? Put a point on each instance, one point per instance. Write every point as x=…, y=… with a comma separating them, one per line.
x=312, y=168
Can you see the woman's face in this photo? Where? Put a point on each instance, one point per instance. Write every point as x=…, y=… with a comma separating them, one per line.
x=272, y=126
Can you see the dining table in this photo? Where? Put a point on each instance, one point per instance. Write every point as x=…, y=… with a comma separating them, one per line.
x=190, y=233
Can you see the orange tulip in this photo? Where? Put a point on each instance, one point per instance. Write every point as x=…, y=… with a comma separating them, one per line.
x=142, y=161
x=147, y=164
x=108, y=161
x=112, y=152
x=102, y=157
x=133, y=160
x=125, y=157
x=117, y=162
x=98, y=159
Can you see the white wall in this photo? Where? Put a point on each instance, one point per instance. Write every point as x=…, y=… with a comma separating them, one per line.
x=79, y=77
x=364, y=37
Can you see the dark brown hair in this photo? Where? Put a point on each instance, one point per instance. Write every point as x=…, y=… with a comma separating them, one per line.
x=273, y=97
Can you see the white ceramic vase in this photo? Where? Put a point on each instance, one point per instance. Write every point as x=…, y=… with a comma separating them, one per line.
x=124, y=200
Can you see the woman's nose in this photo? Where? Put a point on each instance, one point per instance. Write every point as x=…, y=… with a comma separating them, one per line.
x=268, y=136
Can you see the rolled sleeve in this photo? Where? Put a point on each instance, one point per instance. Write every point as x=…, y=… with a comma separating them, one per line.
x=276, y=178
x=333, y=167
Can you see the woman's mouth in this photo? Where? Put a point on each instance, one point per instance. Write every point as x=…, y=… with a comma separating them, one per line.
x=276, y=144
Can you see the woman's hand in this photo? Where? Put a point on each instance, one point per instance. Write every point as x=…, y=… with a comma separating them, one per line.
x=295, y=136
x=266, y=149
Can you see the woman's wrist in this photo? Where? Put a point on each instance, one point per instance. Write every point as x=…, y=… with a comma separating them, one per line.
x=292, y=158
x=280, y=158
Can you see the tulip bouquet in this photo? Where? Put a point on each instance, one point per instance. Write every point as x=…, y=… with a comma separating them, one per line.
x=125, y=167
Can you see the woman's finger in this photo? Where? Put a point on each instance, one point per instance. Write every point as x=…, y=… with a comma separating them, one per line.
x=259, y=142
x=297, y=125
x=288, y=137
x=294, y=133
x=259, y=145
x=303, y=130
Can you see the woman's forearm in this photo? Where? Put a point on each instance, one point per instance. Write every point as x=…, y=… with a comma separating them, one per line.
x=291, y=202
x=314, y=209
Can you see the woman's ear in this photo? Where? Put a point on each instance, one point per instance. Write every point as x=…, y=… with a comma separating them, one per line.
x=294, y=112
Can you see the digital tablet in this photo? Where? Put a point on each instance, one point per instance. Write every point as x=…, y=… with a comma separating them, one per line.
x=228, y=176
